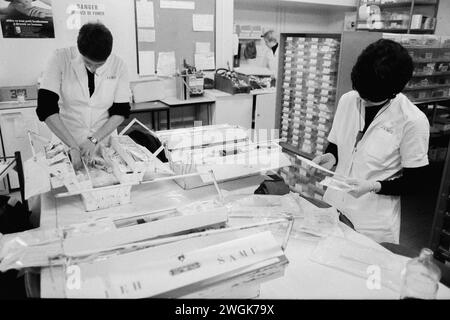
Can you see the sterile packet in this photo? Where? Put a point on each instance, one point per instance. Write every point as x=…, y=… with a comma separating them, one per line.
x=359, y=260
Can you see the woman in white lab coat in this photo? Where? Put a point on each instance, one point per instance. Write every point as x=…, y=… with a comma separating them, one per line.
x=379, y=139
x=84, y=93
x=270, y=60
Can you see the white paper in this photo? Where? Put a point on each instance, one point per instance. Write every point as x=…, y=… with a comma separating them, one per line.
x=36, y=177
x=169, y=4
x=145, y=14
x=205, y=61
x=166, y=63
x=146, y=35
x=202, y=47
x=146, y=63
x=203, y=22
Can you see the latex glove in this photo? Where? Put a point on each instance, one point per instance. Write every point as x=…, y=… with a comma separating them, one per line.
x=75, y=157
x=326, y=160
x=362, y=187
x=88, y=149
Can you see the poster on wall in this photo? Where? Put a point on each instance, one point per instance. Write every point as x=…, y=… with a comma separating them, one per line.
x=27, y=19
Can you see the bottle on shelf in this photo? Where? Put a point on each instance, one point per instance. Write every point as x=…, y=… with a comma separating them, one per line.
x=421, y=277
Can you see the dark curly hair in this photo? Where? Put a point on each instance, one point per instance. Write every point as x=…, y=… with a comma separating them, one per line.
x=95, y=41
x=382, y=71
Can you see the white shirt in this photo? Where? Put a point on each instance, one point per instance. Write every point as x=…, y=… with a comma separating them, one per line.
x=66, y=75
x=270, y=61
x=397, y=138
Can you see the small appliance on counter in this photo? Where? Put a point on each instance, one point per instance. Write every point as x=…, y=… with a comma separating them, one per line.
x=190, y=82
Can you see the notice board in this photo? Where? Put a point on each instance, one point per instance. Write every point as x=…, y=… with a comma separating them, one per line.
x=172, y=29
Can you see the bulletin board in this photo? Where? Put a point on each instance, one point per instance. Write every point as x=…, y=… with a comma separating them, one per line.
x=174, y=31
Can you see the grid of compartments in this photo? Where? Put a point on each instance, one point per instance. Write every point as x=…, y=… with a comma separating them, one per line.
x=308, y=103
x=300, y=180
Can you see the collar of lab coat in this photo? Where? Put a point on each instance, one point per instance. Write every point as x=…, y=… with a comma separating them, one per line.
x=80, y=70
x=79, y=65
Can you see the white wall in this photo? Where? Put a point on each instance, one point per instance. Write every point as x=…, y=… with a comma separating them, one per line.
x=22, y=60
x=443, y=21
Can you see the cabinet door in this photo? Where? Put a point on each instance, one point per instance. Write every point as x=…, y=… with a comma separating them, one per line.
x=234, y=110
x=265, y=116
x=14, y=124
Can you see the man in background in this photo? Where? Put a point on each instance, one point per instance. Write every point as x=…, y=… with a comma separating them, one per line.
x=270, y=60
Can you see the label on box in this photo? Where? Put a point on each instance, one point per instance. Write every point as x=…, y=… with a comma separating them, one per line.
x=324, y=99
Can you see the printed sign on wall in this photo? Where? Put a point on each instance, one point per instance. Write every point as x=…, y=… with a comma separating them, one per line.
x=81, y=13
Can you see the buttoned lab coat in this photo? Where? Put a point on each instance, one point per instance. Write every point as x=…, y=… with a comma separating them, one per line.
x=397, y=138
x=66, y=75
x=270, y=61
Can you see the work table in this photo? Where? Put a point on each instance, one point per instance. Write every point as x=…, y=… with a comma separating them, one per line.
x=304, y=279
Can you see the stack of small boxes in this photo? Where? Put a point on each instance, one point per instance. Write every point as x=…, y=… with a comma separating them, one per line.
x=308, y=103
x=431, y=57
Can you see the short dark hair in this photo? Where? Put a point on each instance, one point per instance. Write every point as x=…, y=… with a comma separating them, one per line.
x=95, y=41
x=382, y=71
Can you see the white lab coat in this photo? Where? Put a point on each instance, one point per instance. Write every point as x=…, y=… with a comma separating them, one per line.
x=270, y=61
x=66, y=75
x=397, y=138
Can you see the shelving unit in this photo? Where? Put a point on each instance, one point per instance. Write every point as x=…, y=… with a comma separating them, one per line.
x=440, y=239
x=431, y=56
x=399, y=16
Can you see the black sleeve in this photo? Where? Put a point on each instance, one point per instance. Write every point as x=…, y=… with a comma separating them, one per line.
x=333, y=149
x=413, y=181
x=120, y=109
x=47, y=104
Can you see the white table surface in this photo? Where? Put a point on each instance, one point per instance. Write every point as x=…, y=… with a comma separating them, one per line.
x=303, y=279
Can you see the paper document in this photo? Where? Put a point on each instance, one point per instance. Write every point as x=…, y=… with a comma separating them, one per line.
x=145, y=15
x=203, y=22
x=170, y=4
x=205, y=61
x=146, y=35
x=202, y=47
x=36, y=177
x=146, y=63
x=166, y=63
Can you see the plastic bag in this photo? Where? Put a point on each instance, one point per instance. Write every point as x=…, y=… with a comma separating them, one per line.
x=359, y=260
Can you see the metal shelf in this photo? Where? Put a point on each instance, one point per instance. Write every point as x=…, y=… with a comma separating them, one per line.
x=430, y=100
x=404, y=6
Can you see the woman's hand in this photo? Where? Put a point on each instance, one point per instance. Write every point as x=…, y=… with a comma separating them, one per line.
x=326, y=160
x=75, y=157
x=362, y=187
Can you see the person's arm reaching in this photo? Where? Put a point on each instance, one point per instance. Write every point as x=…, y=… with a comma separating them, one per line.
x=118, y=112
x=48, y=111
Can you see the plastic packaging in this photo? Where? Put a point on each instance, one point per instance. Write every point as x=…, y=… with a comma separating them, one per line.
x=420, y=279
